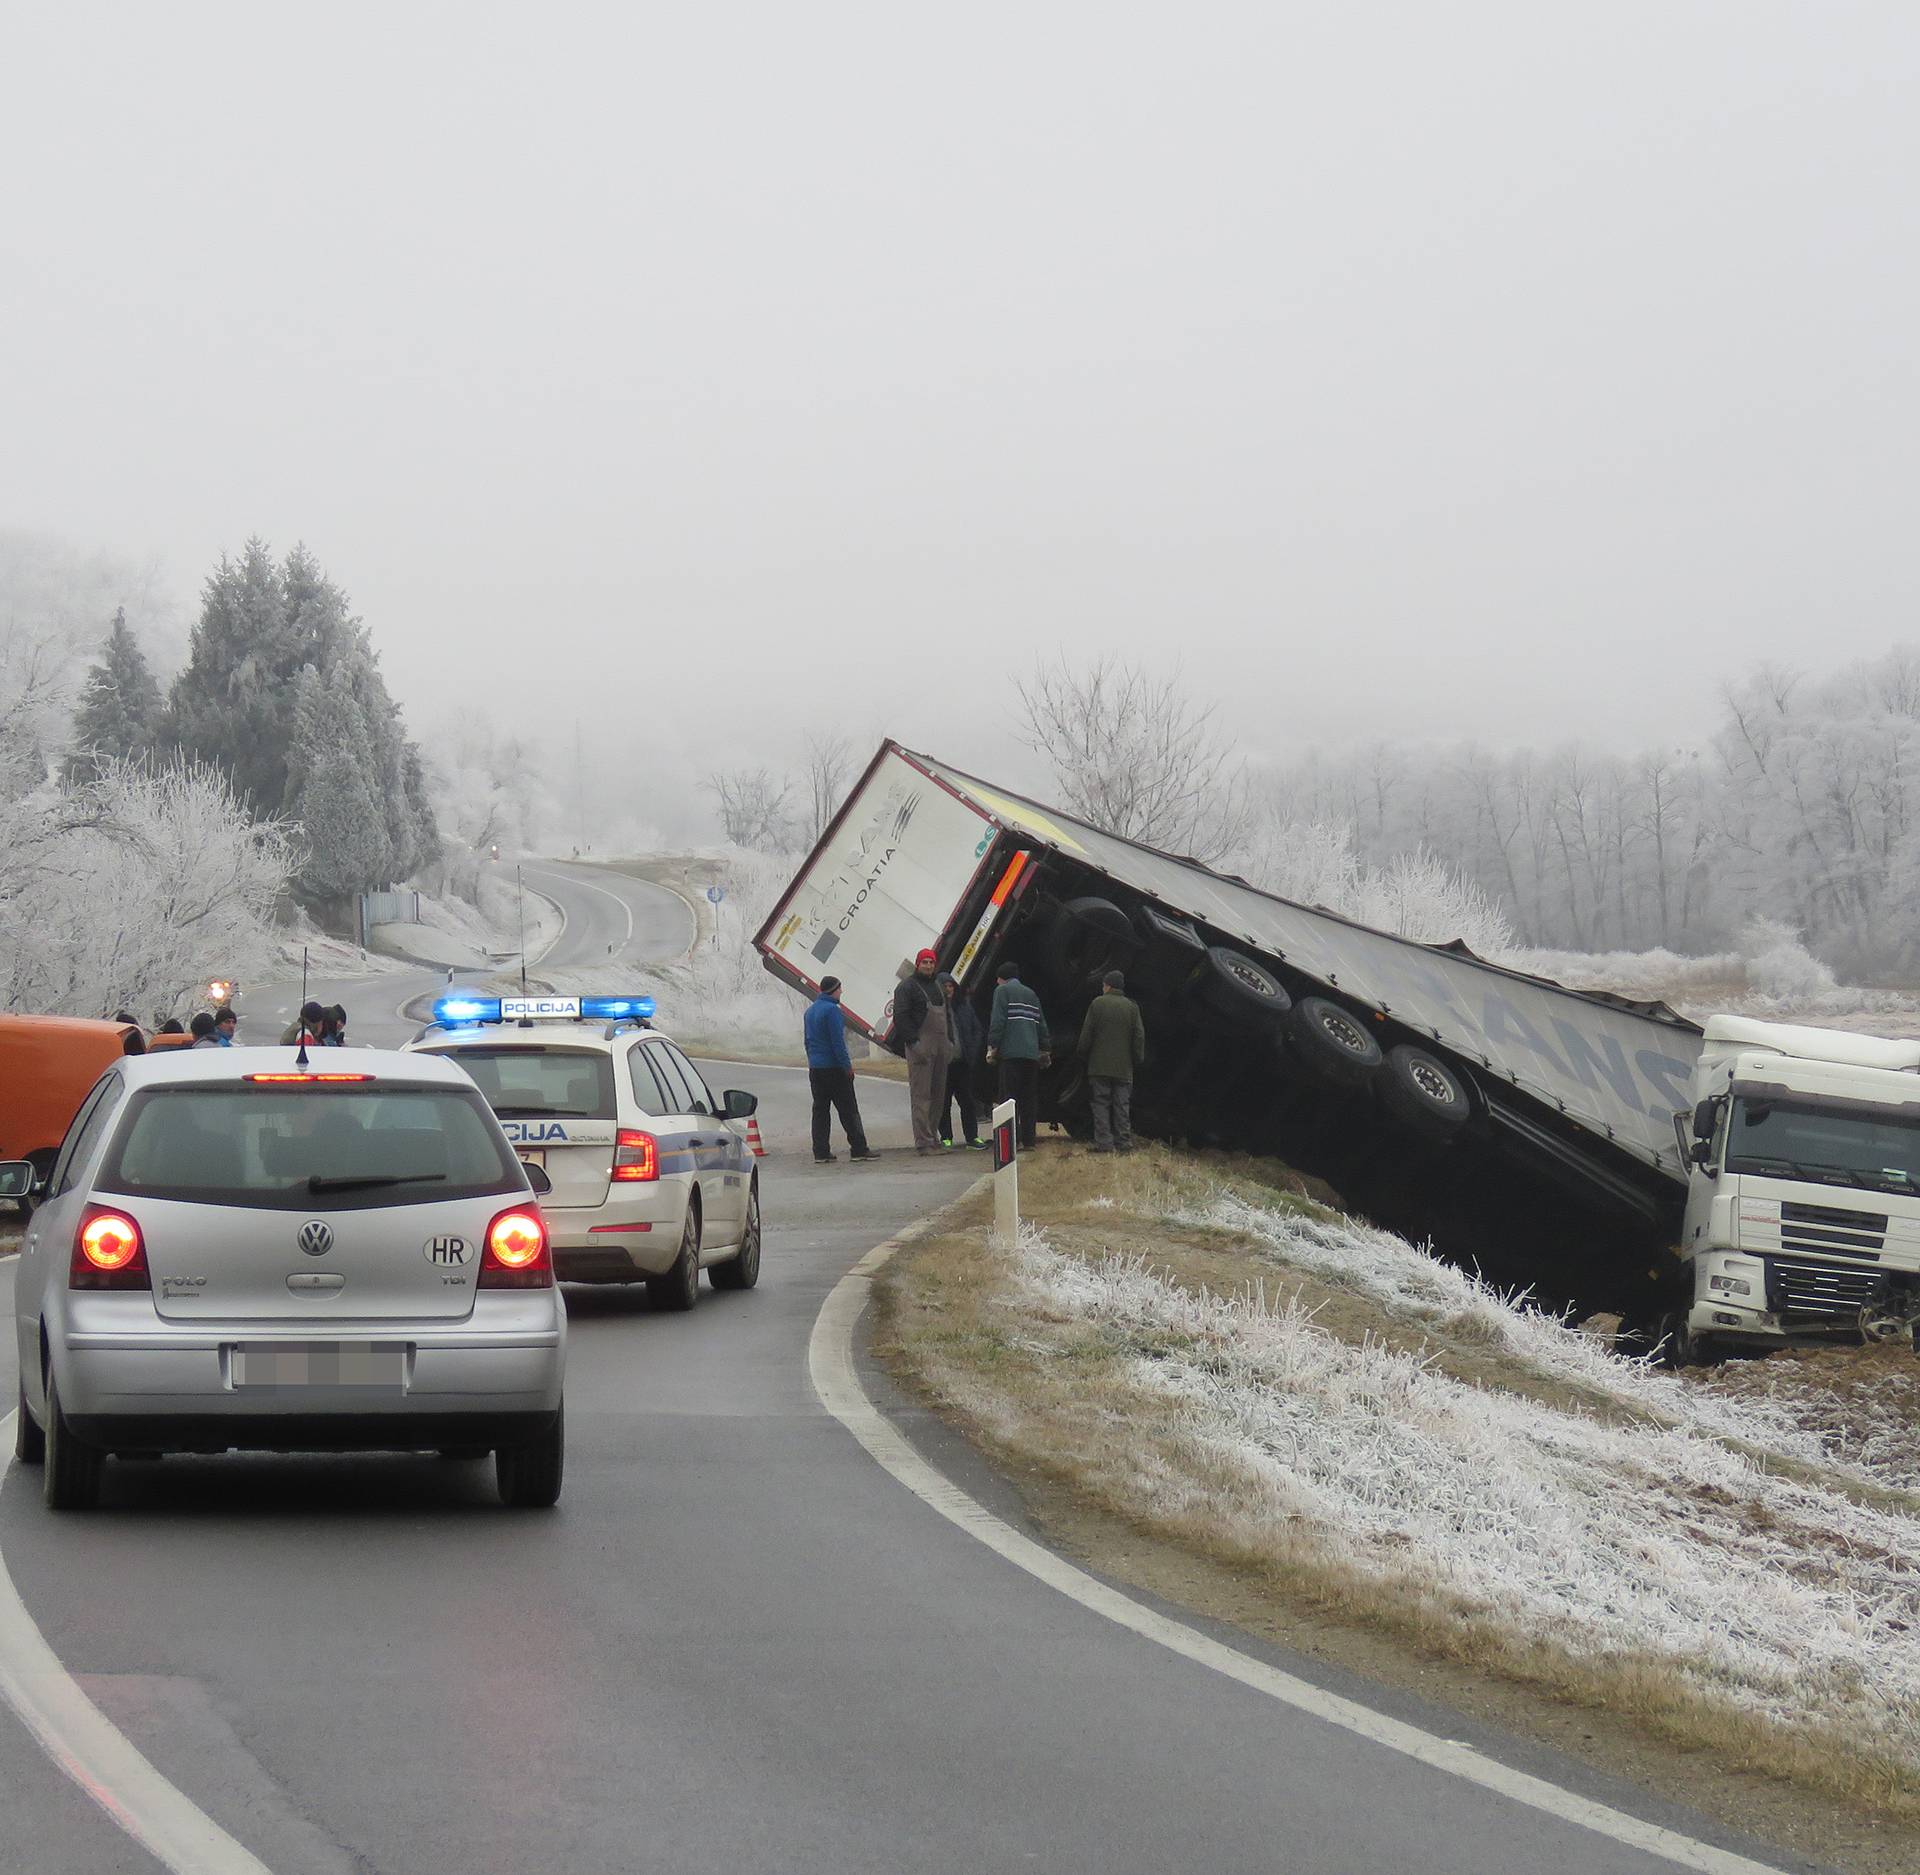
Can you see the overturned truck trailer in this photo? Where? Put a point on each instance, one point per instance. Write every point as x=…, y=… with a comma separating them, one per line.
x=1515, y=1124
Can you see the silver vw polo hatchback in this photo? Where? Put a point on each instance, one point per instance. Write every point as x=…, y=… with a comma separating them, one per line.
x=240, y=1250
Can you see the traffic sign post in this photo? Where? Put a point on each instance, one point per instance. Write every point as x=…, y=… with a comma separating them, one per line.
x=715, y=894
x=1006, y=1174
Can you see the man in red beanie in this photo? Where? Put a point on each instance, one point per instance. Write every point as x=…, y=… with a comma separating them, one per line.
x=923, y=1022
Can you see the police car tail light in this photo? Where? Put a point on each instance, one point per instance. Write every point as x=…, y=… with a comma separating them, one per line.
x=636, y=1157
x=517, y=1255
x=108, y=1252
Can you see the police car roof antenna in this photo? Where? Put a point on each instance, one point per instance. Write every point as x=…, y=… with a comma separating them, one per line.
x=520, y=882
x=300, y=1060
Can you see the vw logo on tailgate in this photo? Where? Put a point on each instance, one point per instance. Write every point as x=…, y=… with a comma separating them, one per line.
x=316, y=1238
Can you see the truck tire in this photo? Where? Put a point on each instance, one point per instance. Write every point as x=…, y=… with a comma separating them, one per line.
x=1426, y=1092
x=1236, y=987
x=1087, y=935
x=1673, y=1344
x=1332, y=1042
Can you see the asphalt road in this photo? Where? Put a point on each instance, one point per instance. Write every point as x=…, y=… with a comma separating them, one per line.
x=737, y=1645
x=609, y=919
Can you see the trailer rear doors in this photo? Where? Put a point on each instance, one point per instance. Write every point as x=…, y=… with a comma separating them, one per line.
x=888, y=878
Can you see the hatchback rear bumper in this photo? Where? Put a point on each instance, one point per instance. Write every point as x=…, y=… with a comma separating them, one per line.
x=129, y=1390
x=484, y=1424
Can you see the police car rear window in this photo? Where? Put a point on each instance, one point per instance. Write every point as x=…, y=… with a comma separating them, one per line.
x=294, y=1148
x=574, y=1081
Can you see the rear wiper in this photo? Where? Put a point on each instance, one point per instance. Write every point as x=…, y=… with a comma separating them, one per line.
x=367, y=1182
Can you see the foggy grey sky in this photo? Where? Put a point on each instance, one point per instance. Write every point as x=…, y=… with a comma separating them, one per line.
x=1508, y=371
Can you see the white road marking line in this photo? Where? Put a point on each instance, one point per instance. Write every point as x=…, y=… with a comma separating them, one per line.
x=569, y=879
x=95, y=1753
x=836, y=1379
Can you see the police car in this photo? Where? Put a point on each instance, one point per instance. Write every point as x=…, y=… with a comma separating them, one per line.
x=650, y=1180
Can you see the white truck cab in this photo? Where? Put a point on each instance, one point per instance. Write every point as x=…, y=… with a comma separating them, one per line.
x=1803, y=1195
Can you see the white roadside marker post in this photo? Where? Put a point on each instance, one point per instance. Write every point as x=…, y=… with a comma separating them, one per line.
x=1006, y=1175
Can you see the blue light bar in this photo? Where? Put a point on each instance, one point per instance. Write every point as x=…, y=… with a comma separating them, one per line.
x=450, y=1010
x=615, y=1008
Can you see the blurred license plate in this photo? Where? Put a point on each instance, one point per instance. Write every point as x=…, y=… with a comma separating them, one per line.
x=317, y=1364
x=532, y=1155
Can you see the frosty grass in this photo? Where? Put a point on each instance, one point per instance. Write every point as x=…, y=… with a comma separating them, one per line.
x=1652, y=1541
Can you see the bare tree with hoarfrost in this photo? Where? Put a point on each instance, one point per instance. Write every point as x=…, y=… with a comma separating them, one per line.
x=752, y=804
x=1132, y=753
x=828, y=759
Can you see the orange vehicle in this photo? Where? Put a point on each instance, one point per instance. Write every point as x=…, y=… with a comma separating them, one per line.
x=47, y=1064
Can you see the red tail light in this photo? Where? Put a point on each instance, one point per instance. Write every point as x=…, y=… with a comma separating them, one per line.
x=108, y=1252
x=518, y=1255
x=302, y=1080
x=636, y=1157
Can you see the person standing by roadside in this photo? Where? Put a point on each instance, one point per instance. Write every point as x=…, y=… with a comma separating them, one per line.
x=226, y=1025
x=923, y=1021
x=305, y=1027
x=202, y=1027
x=830, y=1075
x=1018, y=1038
x=969, y=1043
x=1113, y=1043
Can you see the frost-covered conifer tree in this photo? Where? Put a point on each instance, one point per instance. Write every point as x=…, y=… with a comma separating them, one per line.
x=232, y=704
x=334, y=791
x=120, y=709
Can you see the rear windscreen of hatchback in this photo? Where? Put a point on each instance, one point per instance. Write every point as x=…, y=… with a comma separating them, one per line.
x=516, y=1081
x=296, y=1148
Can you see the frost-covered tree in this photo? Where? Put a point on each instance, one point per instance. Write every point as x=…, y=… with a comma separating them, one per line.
x=127, y=890
x=283, y=691
x=486, y=789
x=120, y=710
x=53, y=597
x=335, y=794
x=754, y=807
x=828, y=756
x=232, y=704
x=1135, y=754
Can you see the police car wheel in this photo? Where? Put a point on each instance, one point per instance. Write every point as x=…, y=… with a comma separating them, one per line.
x=743, y=1271
x=679, y=1288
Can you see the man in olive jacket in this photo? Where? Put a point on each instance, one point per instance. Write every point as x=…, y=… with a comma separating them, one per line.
x=1113, y=1043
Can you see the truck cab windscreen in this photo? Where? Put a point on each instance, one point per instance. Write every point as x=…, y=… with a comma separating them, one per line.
x=1828, y=1144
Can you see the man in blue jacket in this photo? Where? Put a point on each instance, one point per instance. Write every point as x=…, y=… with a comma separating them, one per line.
x=830, y=1073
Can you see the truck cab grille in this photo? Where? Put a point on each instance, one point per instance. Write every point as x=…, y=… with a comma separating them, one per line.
x=1818, y=1289
x=1827, y=1230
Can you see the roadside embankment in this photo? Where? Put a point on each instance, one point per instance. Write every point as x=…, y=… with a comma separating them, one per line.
x=1209, y=1383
